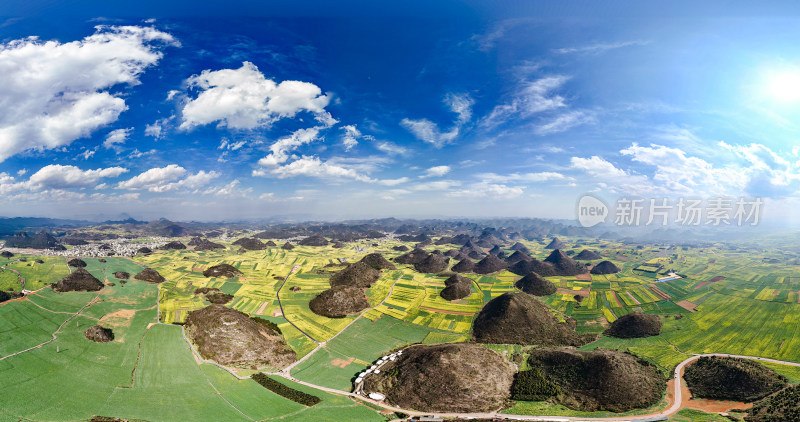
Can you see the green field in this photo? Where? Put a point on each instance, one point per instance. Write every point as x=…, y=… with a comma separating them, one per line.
x=148, y=371
x=32, y=274
x=354, y=349
x=729, y=300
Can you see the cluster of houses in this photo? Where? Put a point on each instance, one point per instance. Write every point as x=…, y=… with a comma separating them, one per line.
x=115, y=247
x=376, y=369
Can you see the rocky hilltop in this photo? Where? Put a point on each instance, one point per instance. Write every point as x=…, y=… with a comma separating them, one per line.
x=457, y=287
x=222, y=271
x=563, y=264
x=534, y=284
x=79, y=281
x=356, y=275
x=150, y=275
x=724, y=378
x=518, y=318
x=635, y=325
x=232, y=338
x=592, y=381
x=339, y=302
x=459, y=377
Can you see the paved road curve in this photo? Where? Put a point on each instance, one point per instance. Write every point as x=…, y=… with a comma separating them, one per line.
x=676, y=404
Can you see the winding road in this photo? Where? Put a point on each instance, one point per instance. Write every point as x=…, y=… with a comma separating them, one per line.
x=674, y=408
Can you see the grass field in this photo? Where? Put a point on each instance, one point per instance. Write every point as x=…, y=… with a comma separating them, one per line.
x=356, y=348
x=730, y=299
x=148, y=371
x=35, y=275
x=170, y=386
x=691, y=415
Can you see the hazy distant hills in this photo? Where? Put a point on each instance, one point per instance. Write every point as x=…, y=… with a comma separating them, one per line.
x=9, y=226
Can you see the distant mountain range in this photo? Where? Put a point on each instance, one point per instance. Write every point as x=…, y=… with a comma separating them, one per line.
x=9, y=226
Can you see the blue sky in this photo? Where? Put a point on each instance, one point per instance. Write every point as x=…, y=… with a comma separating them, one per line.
x=363, y=109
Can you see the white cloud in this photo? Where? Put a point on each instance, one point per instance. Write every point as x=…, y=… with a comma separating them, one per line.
x=165, y=179
x=313, y=166
x=22, y=172
x=125, y=197
x=488, y=190
x=759, y=156
x=50, y=195
x=194, y=181
x=752, y=169
x=8, y=184
x=231, y=190
x=87, y=154
x=436, y=185
x=56, y=176
x=564, y=122
x=364, y=164
x=597, y=166
x=391, y=149
x=394, y=182
x=138, y=154
x=117, y=137
x=487, y=41
x=154, y=130
x=461, y=104
x=428, y=131
x=393, y=194
x=153, y=178
x=531, y=97
x=350, y=137
x=599, y=47
x=128, y=196
x=681, y=173
x=270, y=197
x=54, y=93
x=244, y=99
x=282, y=147
x=470, y=163
x=230, y=146
x=437, y=171
x=522, y=177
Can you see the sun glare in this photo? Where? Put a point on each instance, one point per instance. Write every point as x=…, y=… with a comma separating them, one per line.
x=785, y=86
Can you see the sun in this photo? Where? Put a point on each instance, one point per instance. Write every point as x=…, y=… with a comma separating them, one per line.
x=785, y=86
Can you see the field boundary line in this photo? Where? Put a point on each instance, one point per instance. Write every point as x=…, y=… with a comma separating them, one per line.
x=674, y=408
x=54, y=336
x=322, y=344
x=280, y=305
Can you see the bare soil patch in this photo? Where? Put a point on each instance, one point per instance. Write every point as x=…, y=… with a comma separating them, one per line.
x=120, y=318
x=342, y=363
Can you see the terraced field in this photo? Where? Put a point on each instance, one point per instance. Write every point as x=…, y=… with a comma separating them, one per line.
x=32, y=274
x=728, y=300
x=148, y=372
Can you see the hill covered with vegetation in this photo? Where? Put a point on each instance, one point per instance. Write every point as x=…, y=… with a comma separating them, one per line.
x=725, y=378
x=590, y=381
x=519, y=318
x=459, y=377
